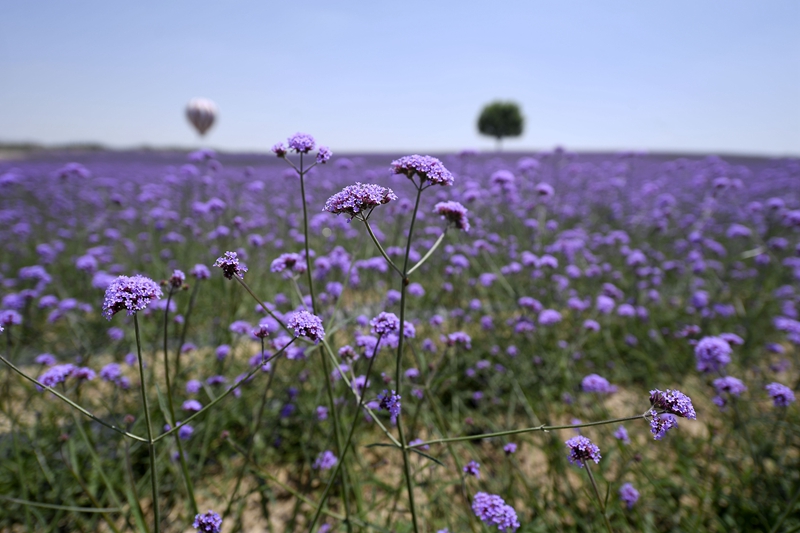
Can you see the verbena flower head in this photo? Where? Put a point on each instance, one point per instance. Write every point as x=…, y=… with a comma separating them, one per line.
x=301, y=143
x=177, y=279
x=229, y=263
x=9, y=317
x=132, y=294
x=660, y=424
x=494, y=511
x=56, y=374
x=581, y=450
x=622, y=434
x=781, y=395
x=279, y=149
x=200, y=271
x=598, y=384
x=673, y=401
x=290, y=262
x=307, y=325
x=426, y=167
x=712, y=354
x=355, y=199
x=323, y=155
x=325, y=461
x=454, y=213
x=510, y=448
x=729, y=385
x=384, y=323
x=628, y=494
x=390, y=401
x=208, y=522
x=473, y=468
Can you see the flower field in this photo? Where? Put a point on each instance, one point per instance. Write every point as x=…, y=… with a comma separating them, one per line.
x=304, y=341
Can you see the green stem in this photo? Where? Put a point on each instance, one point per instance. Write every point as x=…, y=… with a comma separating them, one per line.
x=305, y=235
x=150, y=442
x=222, y=396
x=185, y=328
x=61, y=507
x=399, y=364
x=527, y=430
x=380, y=248
x=70, y=402
x=788, y=510
x=356, y=418
x=429, y=253
x=184, y=467
x=597, y=494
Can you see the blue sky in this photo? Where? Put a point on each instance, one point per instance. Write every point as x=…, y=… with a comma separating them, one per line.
x=708, y=76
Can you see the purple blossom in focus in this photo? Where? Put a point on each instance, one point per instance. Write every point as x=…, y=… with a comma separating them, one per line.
x=130, y=293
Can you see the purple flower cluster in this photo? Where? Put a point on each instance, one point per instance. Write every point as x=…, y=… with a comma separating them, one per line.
x=781, y=395
x=727, y=385
x=674, y=402
x=229, y=263
x=301, y=143
x=628, y=494
x=493, y=510
x=581, y=450
x=426, y=167
x=473, y=469
x=597, y=384
x=130, y=293
x=289, y=263
x=660, y=424
x=384, y=323
x=712, y=354
x=208, y=522
x=325, y=461
x=56, y=374
x=323, y=155
x=454, y=213
x=356, y=199
x=390, y=401
x=307, y=325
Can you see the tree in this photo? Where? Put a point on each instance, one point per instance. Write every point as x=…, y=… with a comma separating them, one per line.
x=501, y=119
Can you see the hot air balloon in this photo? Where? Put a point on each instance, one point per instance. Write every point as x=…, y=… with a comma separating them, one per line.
x=201, y=112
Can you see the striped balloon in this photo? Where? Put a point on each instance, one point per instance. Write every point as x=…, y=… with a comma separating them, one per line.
x=201, y=112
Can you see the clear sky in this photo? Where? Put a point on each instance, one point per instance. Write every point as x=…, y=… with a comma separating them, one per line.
x=688, y=75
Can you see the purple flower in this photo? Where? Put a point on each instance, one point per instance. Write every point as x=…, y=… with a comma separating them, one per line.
x=581, y=450
x=628, y=494
x=301, y=143
x=222, y=351
x=426, y=167
x=781, y=395
x=56, y=374
x=185, y=431
x=229, y=263
x=130, y=293
x=9, y=317
x=712, y=354
x=548, y=317
x=674, y=402
x=473, y=469
x=177, y=279
x=115, y=334
x=359, y=198
x=209, y=522
x=279, y=149
x=492, y=510
x=193, y=386
x=622, y=434
x=660, y=424
x=729, y=385
x=591, y=325
x=307, y=325
x=510, y=448
x=325, y=461
x=459, y=337
x=289, y=262
x=322, y=413
x=598, y=384
x=323, y=155
x=390, y=401
x=200, y=271
x=454, y=213
x=384, y=323
x=45, y=359
x=192, y=406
